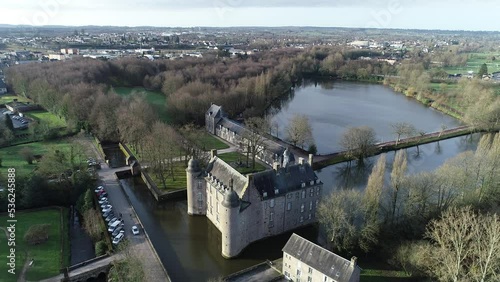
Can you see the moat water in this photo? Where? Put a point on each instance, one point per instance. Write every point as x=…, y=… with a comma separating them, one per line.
x=189, y=247
x=333, y=107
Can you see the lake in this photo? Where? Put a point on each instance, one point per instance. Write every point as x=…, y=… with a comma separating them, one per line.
x=333, y=107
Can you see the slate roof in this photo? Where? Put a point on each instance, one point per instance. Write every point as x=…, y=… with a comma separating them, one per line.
x=224, y=172
x=324, y=261
x=216, y=111
x=285, y=179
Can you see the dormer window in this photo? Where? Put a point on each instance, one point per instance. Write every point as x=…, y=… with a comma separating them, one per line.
x=312, y=182
x=303, y=184
x=264, y=194
x=317, y=181
x=276, y=191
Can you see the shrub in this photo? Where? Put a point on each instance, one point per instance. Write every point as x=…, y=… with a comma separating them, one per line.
x=101, y=248
x=37, y=234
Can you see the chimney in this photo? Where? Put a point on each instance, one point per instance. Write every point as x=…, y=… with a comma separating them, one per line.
x=276, y=166
x=213, y=153
x=354, y=260
x=301, y=161
x=311, y=156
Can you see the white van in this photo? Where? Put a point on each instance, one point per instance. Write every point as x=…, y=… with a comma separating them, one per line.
x=114, y=225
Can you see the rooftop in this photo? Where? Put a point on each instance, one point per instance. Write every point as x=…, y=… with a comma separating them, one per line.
x=321, y=259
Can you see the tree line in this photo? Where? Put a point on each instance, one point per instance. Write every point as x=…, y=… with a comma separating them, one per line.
x=407, y=213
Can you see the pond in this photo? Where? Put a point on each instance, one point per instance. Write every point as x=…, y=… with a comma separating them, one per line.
x=333, y=107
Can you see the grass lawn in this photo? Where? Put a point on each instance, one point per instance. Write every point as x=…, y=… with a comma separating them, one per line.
x=48, y=117
x=208, y=142
x=155, y=99
x=235, y=157
x=377, y=270
x=47, y=256
x=11, y=156
x=475, y=61
x=180, y=181
x=4, y=99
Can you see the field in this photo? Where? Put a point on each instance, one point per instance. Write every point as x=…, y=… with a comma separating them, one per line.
x=4, y=99
x=208, y=142
x=475, y=61
x=51, y=119
x=180, y=181
x=48, y=257
x=235, y=157
x=155, y=99
x=11, y=156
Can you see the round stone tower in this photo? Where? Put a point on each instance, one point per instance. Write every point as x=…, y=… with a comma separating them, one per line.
x=193, y=172
x=231, y=245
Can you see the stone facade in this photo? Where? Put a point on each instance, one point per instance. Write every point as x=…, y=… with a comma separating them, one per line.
x=218, y=123
x=248, y=208
x=306, y=261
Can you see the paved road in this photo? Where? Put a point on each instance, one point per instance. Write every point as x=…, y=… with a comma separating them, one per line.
x=141, y=246
x=83, y=269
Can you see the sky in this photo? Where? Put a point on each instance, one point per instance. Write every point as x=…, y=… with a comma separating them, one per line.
x=410, y=14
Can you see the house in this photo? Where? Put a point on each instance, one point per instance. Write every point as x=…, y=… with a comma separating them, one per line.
x=217, y=123
x=3, y=87
x=306, y=261
x=248, y=208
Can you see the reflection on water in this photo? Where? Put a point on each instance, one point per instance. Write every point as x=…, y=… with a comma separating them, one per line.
x=424, y=158
x=190, y=247
x=334, y=106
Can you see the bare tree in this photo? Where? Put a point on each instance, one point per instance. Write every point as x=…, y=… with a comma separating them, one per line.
x=402, y=129
x=399, y=167
x=486, y=249
x=453, y=242
x=253, y=137
x=299, y=131
x=358, y=142
x=340, y=215
x=91, y=224
x=27, y=155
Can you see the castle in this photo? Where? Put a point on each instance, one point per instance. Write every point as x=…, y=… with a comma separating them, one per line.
x=248, y=208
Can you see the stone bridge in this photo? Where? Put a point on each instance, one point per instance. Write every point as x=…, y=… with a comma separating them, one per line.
x=87, y=270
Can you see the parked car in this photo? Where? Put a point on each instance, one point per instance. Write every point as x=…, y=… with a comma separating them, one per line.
x=109, y=216
x=112, y=220
x=107, y=210
x=103, y=195
x=118, y=238
x=106, y=206
x=113, y=226
x=107, y=213
x=101, y=192
x=99, y=189
x=135, y=230
x=102, y=200
x=117, y=231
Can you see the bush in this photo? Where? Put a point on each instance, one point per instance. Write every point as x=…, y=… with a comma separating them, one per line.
x=37, y=234
x=312, y=149
x=101, y=248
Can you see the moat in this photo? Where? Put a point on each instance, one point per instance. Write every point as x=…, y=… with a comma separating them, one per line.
x=190, y=247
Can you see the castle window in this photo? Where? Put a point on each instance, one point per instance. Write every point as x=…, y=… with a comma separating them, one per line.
x=298, y=272
x=217, y=217
x=302, y=208
x=309, y=279
x=317, y=201
x=310, y=216
x=276, y=191
x=303, y=194
x=200, y=184
x=301, y=219
x=310, y=270
x=317, y=191
x=317, y=181
x=271, y=204
x=311, y=192
x=303, y=184
x=271, y=216
x=312, y=182
x=289, y=196
x=289, y=206
x=264, y=194
x=310, y=205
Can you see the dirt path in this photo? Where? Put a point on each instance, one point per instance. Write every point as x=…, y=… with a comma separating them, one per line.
x=22, y=275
